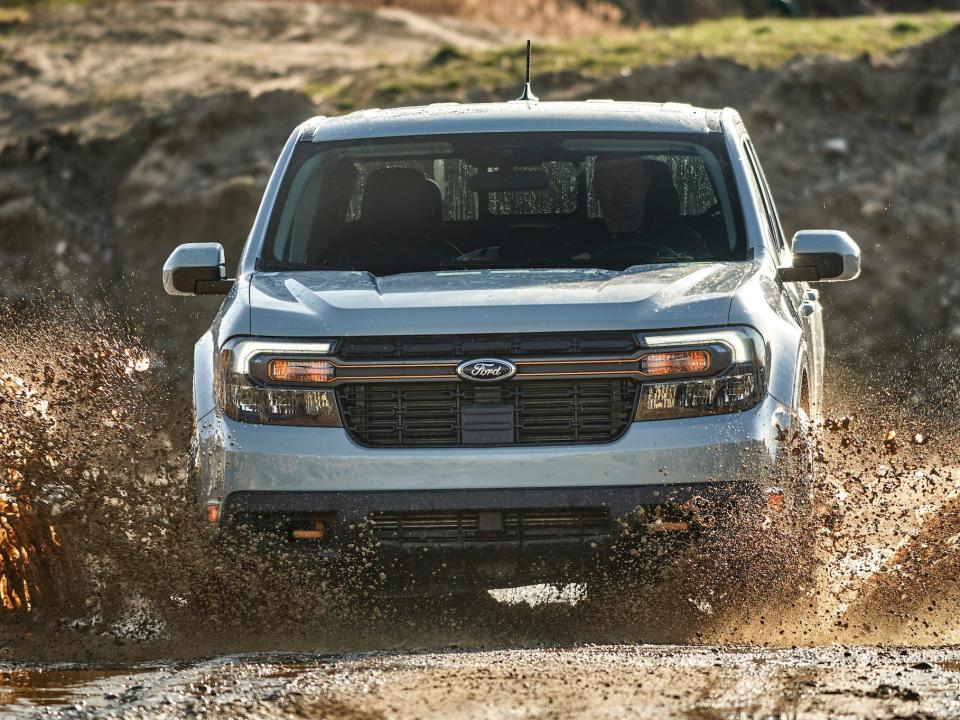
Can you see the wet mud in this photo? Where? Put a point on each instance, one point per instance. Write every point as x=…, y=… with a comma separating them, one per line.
x=118, y=602
x=597, y=681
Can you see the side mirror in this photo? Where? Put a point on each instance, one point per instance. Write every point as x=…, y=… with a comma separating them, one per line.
x=822, y=256
x=196, y=269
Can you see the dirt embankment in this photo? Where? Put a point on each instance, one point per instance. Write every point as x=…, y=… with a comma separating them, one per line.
x=127, y=130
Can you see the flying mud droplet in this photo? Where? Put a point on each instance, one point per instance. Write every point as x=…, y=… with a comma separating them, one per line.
x=838, y=424
x=890, y=441
x=137, y=360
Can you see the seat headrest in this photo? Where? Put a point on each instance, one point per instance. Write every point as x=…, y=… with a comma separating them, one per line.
x=399, y=205
x=663, y=200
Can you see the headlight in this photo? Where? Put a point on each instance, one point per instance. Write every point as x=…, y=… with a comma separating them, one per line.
x=738, y=387
x=247, y=367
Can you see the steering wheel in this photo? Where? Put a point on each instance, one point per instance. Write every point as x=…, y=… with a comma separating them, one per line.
x=663, y=251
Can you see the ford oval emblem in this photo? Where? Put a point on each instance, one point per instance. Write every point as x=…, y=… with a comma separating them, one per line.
x=486, y=370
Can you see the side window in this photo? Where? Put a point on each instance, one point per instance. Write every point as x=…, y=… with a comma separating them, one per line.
x=769, y=208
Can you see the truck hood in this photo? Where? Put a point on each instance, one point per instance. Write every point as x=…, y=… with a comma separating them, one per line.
x=317, y=304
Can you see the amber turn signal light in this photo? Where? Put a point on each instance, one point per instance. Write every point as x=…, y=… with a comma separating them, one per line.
x=213, y=512
x=775, y=499
x=319, y=532
x=676, y=363
x=300, y=371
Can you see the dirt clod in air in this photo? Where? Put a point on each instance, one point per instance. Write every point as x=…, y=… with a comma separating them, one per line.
x=890, y=441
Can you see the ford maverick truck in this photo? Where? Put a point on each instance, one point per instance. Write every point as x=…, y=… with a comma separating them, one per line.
x=488, y=338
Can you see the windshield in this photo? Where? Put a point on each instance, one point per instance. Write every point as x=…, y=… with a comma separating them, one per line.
x=543, y=200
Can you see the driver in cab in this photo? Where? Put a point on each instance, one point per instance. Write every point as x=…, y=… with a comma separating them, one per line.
x=641, y=210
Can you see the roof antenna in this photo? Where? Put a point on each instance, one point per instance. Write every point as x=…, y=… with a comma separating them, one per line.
x=527, y=94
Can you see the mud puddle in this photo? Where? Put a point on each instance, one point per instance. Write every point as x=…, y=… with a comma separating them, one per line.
x=53, y=686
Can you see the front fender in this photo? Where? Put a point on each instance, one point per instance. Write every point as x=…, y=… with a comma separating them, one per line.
x=204, y=400
x=760, y=304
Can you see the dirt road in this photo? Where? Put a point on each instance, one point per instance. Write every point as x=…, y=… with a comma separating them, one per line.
x=604, y=681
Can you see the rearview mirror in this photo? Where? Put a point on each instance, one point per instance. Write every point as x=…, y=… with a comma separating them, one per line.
x=516, y=181
x=196, y=269
x=822, y=256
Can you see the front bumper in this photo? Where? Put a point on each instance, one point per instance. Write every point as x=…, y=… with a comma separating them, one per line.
x=266, y=475
x=242, y=457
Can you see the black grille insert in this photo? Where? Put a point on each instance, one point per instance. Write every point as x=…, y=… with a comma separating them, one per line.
x=463, y=526
x=441, y=414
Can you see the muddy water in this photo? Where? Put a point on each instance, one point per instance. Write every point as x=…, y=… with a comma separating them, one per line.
x=52, y=686
x=104, y=567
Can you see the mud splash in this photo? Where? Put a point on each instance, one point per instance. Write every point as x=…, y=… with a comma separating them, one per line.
x=91, y=480
x=885, y=538
x=106, y=557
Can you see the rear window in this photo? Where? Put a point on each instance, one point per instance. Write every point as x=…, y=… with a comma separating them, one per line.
x=535, y=200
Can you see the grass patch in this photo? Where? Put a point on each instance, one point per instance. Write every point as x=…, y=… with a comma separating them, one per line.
x=334, y=91
x=116, y=95
x=903, y=27
x=446, y=53
x=13, y=15
x=767, y=42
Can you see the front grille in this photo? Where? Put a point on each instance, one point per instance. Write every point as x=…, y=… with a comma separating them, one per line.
x=510, y=413
x=441, y=347
x=411, y=528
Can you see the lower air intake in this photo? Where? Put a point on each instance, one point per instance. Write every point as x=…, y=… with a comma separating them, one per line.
x=519, y=526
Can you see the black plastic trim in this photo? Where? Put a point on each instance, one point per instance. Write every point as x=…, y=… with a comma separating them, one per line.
x=354, y=506
x=811, y=267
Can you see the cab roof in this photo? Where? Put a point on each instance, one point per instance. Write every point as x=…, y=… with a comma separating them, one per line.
x=516, y=116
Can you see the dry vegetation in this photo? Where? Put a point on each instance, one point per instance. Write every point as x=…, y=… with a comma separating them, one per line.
x=556, y=18
x=765, y=43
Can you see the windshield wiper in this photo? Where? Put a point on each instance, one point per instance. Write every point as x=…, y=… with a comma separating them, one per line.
x=569, y=265
x=483, y=265
x=276, y=265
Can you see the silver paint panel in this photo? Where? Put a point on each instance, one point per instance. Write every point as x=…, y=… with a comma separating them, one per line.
x=718, y=448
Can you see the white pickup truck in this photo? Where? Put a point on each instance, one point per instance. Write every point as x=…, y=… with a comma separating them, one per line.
x=485, y=336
